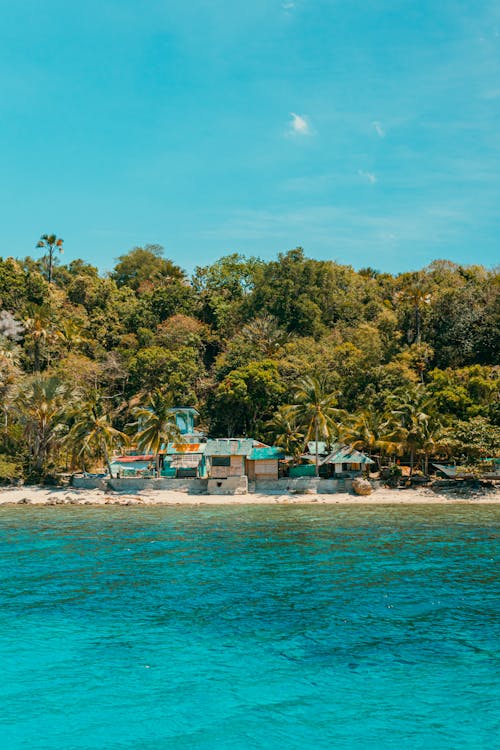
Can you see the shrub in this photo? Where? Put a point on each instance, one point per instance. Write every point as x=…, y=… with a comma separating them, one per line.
x=10, y=470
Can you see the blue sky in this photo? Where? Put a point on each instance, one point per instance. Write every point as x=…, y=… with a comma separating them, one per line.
x=365, y=131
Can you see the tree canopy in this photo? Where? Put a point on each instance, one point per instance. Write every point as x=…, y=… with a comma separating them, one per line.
x=412, y=358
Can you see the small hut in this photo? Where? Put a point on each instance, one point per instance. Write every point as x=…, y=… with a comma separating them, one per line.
x=184, y=460
x=343, y=461
x=225, y=457
x=262, y=463
x=339, y=461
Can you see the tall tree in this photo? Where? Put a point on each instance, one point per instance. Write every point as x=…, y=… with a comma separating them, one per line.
x=92, y=433
x=264, y=336
x=369, y=430
x=145, y=268
x=416, y=420
x=157, y=425
x=223, y=290
x=246, y=399
x=43, y=405
x=284, y=431
x=40, y=331
x=417, y=297
x=50, y=243
x=315, y=410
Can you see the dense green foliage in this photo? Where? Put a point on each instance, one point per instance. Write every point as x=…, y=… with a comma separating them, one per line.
x=410, y=361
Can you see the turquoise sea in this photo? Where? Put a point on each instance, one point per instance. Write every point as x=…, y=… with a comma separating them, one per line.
x=249, y=627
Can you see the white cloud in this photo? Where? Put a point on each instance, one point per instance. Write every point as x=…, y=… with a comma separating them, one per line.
x=299, y=125
x=379, y=128
x=370, y=176
x=288, y=5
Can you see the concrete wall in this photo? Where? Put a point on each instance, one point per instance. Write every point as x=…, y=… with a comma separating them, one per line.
x=89, y=483
x=136, y=484
x=229, y=486
x=306, y=485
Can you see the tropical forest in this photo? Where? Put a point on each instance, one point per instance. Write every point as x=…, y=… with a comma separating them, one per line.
x=402, y=366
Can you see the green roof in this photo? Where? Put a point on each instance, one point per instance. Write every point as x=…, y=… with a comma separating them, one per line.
x=267, y=452
x=343, y=454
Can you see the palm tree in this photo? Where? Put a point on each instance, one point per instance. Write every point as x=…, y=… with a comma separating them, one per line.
x=413, y=411
x=9, y=378
x=265, y=335
x=50, y=242
x=285, y=433
x=43, y=405
x=40, y=331
x=157, y=425
x=315, y=412
x=92, y=433
x=369, y=430
x=417, y=297
x=71, y=335
x=434, y=441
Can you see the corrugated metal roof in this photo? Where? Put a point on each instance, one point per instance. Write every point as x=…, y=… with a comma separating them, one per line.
x=186, y=461
x=133, y=459
x=343, y=454
x=311, y=447
x=175, y=448
x=229, y=447
x=266, y=452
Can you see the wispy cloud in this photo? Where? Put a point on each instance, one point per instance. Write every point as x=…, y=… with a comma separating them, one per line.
x=370, y=176
x=299, y=125
x=288, y=5
x=379, y=128
x=491, y=94
x=322, y=228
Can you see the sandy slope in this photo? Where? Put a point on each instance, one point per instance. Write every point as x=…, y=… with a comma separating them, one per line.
x=70, y=496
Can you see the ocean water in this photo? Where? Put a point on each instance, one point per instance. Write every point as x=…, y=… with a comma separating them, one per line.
x=249, y=627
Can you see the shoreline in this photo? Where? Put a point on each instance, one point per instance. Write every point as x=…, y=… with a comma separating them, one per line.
x=42, y=496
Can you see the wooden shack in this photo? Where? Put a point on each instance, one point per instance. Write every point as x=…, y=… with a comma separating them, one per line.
x=225, y=457
x=262, y=464
x=344, y=461
x=183, y=460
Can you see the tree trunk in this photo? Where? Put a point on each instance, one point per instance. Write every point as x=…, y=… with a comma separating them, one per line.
x=317, y=465
x=36, y=355
x=106, y=458
x=157, y=461
x=412, y=459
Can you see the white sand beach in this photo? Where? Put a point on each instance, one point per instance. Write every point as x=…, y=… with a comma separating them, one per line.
x=32, y=495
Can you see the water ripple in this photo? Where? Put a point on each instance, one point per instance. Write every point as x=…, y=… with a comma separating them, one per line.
x=249, y=627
